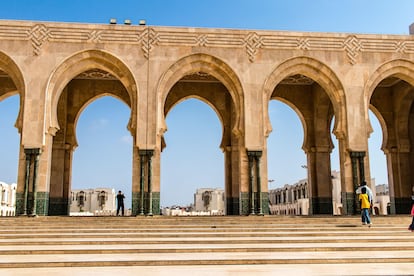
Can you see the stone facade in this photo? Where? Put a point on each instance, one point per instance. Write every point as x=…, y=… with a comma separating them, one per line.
x=57, y=69
x=7, y=199
x=95, y=201
x=209, y=200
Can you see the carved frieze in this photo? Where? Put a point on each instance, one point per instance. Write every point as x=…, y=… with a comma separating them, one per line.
x=251, y=42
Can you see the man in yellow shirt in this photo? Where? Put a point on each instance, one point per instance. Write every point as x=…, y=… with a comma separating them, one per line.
x=365, y=205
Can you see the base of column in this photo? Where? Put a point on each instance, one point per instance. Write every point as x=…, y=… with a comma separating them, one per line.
x=402, y=205
x=244, y=204
x=348, y=204
x=232, y=206
x=42, y=204
x=136, y=203
x=59, y=206
x=19, y=204
x=321, y=206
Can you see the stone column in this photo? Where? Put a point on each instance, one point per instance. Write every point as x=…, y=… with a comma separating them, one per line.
x=35, y=170
x=259, y=183
x=26, y=184
x=150, y=153
x=142, y=154
x=30, y=194
x=251, y=184
x=358, y=174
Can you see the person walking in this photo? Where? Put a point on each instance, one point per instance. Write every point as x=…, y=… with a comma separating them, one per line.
x=120, y=203
x=411, y=227
x=365, y=205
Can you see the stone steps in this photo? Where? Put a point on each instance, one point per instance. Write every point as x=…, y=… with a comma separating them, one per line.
x=52, y=242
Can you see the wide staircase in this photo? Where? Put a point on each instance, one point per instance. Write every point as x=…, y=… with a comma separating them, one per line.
x=254, y=245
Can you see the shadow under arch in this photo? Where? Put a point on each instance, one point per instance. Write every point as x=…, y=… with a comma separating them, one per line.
x=390, y=89
x=399, y=68
x=79, y=63
x=207, y=64
x=10, y=67
x=318, y=72
x=326, y=89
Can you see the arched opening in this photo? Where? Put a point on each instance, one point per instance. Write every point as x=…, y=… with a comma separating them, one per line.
x=392, y=103
x=378, y=167
x=192, y=161
x=103, y=160
x=9, y=139
x=286, y=159
x=103, y=157
x=206, y=87
x=11, y=95
x=315, y=110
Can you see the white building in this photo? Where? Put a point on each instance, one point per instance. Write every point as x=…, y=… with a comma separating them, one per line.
x=294, y=199
x=210, y=200
x=382, y=199
x=7, y=199
x=99, y=201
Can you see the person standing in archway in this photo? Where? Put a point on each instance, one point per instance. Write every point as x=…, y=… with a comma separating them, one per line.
x=120, y=203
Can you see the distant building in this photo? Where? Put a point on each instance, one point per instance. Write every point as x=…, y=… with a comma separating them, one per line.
x=99, y=201
x=209, y=200
x=382, y=199
x=294, y=199
x=290, y=199
x=7, y=199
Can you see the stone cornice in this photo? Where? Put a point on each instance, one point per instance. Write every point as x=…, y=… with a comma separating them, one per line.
x=149, y=37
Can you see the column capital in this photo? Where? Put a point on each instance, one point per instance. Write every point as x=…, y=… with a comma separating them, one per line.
x=146, y=152
x=254, y=153
x=357, y=154
x=35, y=151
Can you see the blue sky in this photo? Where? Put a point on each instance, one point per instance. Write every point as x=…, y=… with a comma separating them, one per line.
x=192, y=158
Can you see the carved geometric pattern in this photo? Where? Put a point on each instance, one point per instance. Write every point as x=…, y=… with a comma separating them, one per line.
x=95, y=74
x=149, y=39
x=252, y=42
x=303, y=44
x=298, y=79
x=352, y=47
x=38, y=34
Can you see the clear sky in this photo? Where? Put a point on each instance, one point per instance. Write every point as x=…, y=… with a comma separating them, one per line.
x=192, y=158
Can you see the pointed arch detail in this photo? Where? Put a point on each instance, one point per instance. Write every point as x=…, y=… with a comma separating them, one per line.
x=320, y=73
x=81, y=62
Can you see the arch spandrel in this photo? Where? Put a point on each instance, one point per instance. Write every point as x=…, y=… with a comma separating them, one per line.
x=201, y=63
x=11, y=68
x=316, y=71
x=77, y=64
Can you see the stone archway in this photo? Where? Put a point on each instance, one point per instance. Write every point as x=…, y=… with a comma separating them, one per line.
x=77, y=82
x=390, y=93
x=214, y=82
x=12, y=83
x=317, y=95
